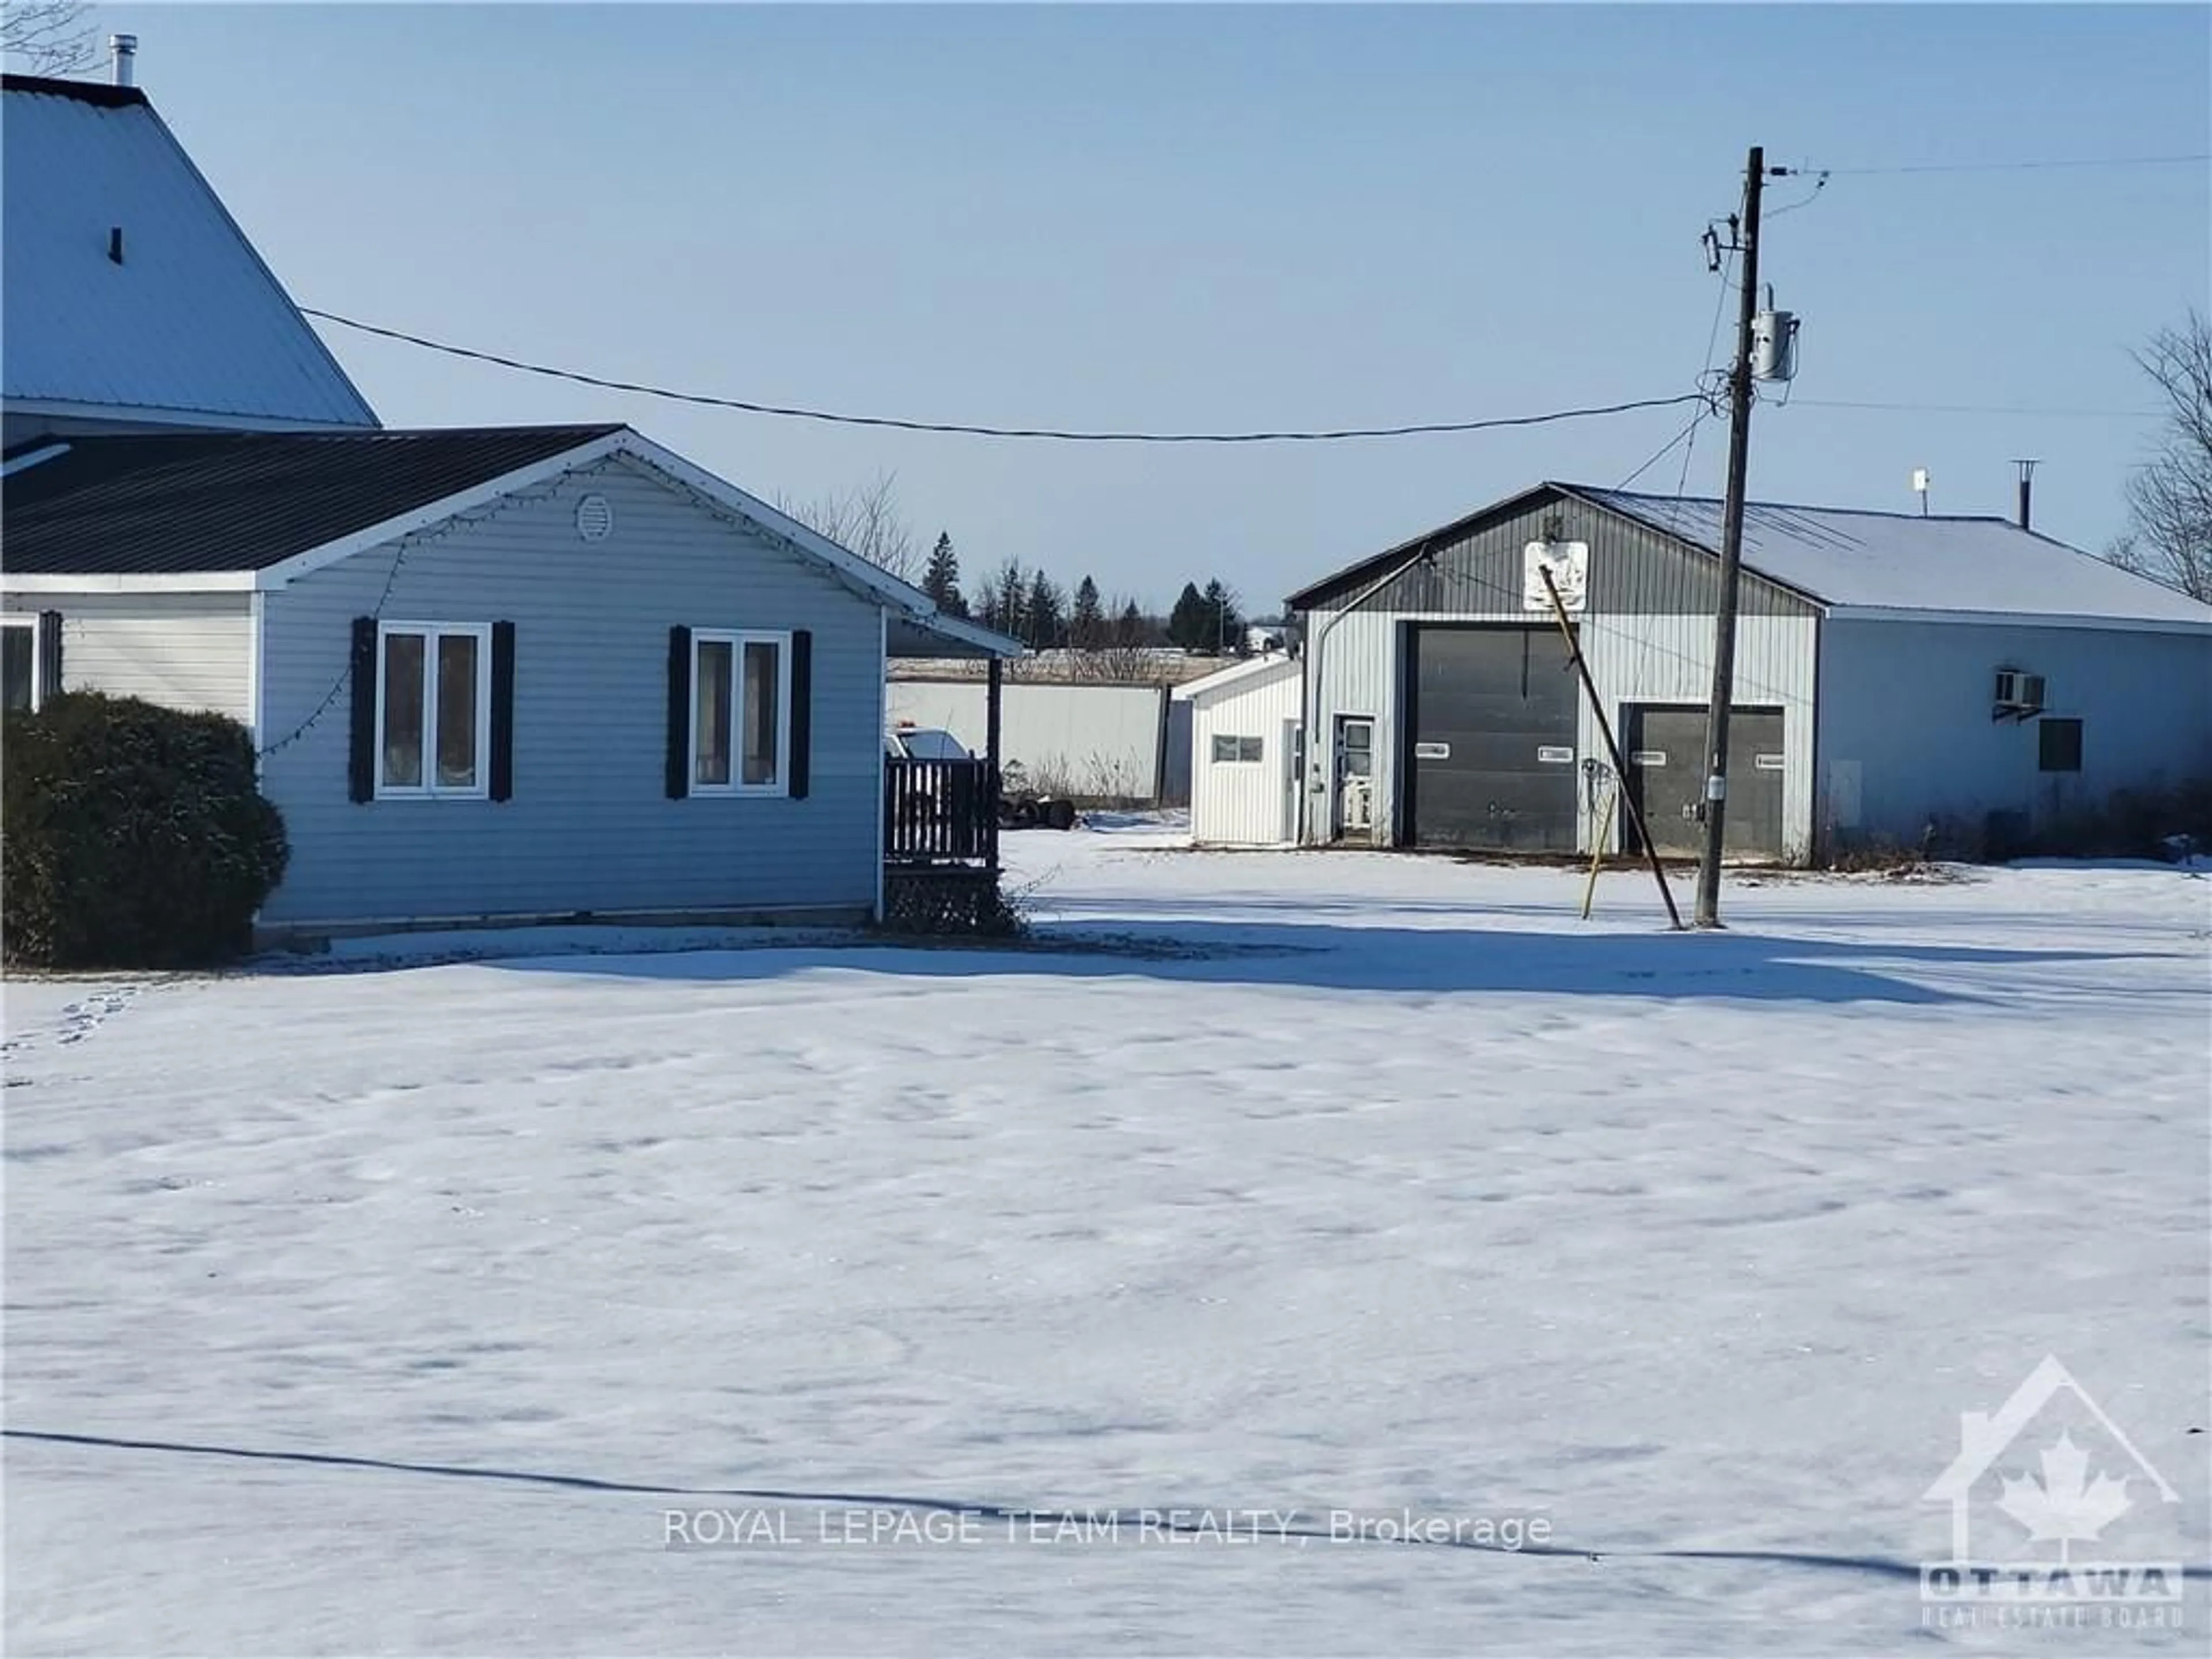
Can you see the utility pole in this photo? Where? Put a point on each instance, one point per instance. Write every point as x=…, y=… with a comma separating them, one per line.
x=1708, y=913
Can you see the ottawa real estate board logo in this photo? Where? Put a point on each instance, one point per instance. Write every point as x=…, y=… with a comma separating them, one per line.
x=2035, y=1487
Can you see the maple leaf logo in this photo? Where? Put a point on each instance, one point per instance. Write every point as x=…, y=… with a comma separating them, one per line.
x=2066, y=1506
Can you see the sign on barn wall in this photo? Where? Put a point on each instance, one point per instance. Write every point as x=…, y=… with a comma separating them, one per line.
x=1569, y=564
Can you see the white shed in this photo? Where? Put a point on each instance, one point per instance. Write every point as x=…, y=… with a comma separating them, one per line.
x=1245, y=753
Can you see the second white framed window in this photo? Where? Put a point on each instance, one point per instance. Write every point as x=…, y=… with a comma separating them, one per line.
x=740, y=712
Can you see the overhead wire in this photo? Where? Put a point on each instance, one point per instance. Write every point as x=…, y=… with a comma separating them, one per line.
x=1416, y=428
x=1987, y=409
x=2197, y=158
x=1661, y=453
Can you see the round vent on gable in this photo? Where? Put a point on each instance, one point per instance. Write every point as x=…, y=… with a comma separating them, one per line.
x=595, y=518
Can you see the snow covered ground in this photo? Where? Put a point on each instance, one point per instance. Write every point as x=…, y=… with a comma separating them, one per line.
x=396, y=1311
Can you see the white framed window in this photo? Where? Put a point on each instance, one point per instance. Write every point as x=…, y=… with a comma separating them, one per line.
x=1241, y=752
x=740, y=712
x=19, y=663
x=432, y=710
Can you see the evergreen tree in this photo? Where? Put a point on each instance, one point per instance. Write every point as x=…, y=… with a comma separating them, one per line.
x=1043, y=614
x=1225, y=627
x=1190, y=624
x=941, y=580
x=1086, y=625
x=1008, y=596
x=1129, y=627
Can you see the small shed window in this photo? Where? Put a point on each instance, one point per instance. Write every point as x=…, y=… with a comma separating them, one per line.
x=2059, y=743
x=1228, y=749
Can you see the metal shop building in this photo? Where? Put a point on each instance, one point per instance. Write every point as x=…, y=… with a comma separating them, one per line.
x=1891, y=670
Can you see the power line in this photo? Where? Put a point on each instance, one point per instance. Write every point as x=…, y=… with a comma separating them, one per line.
x=1060, y=434
x=1665, y=449
x=1996, y=167
x=1984, y=409
x=1820, y=183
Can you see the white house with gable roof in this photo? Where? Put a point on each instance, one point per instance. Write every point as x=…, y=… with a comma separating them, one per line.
x=492, y=675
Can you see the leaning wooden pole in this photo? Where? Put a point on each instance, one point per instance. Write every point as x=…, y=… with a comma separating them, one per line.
x=1612, y=749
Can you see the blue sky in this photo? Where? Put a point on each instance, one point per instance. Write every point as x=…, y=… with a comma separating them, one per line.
x=1190, y=217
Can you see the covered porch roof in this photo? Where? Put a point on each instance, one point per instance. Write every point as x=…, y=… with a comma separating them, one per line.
x=944, y=637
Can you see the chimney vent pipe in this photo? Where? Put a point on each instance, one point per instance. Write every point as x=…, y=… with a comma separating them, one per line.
x=122, y=54
x=2026, y=493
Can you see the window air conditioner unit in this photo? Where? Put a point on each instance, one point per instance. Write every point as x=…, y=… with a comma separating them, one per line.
x=2017, y=694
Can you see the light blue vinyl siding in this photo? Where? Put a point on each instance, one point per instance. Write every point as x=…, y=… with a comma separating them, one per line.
x=590, y=827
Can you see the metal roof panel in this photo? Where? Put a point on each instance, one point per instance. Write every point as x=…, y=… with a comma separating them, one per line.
x=198, y=502
x=190, y=322
x=1903, y=562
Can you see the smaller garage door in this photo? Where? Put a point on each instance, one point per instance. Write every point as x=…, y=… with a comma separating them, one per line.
x=1667, y=774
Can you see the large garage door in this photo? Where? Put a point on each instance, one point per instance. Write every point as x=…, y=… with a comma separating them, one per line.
x=1667, y=771
x=1490, y=760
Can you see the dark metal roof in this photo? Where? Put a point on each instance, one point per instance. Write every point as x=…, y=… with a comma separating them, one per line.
x=191, y=503
x=100, y=93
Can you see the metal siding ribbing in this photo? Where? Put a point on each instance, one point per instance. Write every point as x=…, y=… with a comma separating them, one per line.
x=1357, y=674
x=1906, y=732
x=1239, y=803
x=1646, y=634
x=1633, y=569
x=1096, y=740
x=1668, y=659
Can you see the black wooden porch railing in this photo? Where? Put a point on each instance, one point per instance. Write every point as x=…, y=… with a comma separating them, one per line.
x=940, y=811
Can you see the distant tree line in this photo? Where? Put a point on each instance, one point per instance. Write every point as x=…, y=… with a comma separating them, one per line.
x=1027, y=603
x=1024, y=601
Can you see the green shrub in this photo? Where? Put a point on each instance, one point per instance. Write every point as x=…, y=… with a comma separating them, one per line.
x=131, y=836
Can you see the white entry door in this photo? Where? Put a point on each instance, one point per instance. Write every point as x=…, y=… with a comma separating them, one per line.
x=1355, y=775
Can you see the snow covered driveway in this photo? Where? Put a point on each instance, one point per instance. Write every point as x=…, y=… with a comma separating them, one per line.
x=396, y=1312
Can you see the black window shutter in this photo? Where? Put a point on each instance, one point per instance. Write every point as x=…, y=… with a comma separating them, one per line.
x=361, y=766
x=50, y=655
x=502, y=711
x=802, y=709
x=679, y=713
